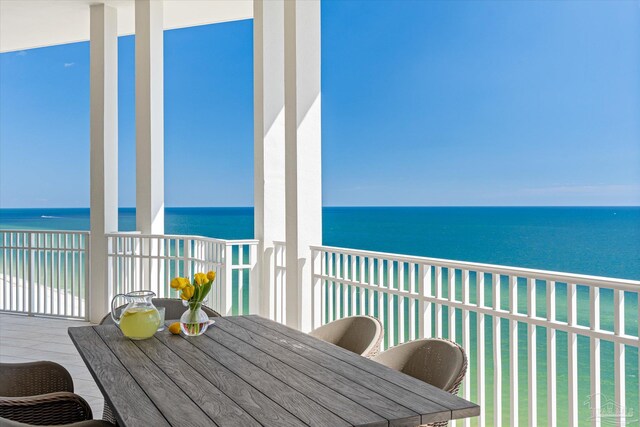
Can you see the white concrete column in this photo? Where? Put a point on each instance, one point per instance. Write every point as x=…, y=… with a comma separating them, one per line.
x=149, y=117
x=104, y=150
x=269, y=198
x=303, y=185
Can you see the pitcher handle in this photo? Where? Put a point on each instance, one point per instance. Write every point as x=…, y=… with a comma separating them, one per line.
x=113, y=308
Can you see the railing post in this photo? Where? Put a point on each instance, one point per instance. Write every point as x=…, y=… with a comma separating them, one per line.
x=226, y=295
x=594, y=301
x=316, y=299
x=438, y=293
x=481, y=349
x=31, y=269
x=110, y=269
x=552, y=399
x=87, y=278
x=451, y=279
x=255, y=291
x=513, y=350
x=532, y=352
x=466, y=339
x=572, y=354
x=619, y=359
x=186, y=255
x=424, y=312
x=497, y=352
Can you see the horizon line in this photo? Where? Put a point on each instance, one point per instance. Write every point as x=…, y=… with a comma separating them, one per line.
x=353, y=206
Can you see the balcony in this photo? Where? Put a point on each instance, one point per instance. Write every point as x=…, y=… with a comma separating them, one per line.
x=544, y=347
x=566, y=340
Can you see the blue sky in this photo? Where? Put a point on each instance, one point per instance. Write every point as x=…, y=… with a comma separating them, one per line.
x=423, y=103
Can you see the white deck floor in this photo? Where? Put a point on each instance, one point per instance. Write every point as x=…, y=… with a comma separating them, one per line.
x=25, y=339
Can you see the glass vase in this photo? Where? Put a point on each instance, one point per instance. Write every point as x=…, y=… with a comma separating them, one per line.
x=194, y=321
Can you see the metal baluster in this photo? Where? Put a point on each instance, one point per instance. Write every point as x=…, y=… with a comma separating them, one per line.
x=552, y=398
x=466, y=340
x=354, y=288
x=497, y=353
x=513, y=350
x=532, y=353
x=481, y=373
x=402, y=323
x=572, y=359
x=439, y=313
x=451, y=278
x=594, y=347
x=619, y=352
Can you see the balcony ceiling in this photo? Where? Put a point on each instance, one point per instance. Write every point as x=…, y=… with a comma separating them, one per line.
x=27, y=24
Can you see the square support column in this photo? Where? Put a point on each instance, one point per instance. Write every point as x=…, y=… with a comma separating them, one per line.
x=103, y=150
x=269, y=192
x=303, y=169
x=149, y=117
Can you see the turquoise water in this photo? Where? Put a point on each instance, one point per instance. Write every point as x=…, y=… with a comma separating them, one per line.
x=598, y=241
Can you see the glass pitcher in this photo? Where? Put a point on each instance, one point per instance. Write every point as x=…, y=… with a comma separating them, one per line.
x=140, y=318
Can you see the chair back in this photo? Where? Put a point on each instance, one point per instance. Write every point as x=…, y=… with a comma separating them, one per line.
x=173, y=309
x=33, y=378
x=439, y=362
x=359, y=334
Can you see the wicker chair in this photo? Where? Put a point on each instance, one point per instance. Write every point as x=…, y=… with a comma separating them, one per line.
x=173, y=309
x=40, y=393
x=359, y=334
x=439, y=362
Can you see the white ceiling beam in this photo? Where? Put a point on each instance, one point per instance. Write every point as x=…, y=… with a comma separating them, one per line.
x=28, y=24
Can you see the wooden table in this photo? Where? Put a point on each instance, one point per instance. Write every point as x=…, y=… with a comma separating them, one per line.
x=250, y=371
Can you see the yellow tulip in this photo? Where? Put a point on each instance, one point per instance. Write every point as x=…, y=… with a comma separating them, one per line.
x=211, y=276
x=200, y=278
x=187, y=292
x=179, y=283
x=174, y=283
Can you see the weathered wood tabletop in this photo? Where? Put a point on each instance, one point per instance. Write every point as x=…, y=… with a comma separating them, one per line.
x=250, y=371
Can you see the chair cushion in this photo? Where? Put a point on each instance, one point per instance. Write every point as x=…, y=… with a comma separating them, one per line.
x=356, y=333
x=437, y=362
x=434, y=361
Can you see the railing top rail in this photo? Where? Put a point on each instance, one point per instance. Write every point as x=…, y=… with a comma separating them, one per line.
x=557, y=276
x=183, y=236
x=85, y=232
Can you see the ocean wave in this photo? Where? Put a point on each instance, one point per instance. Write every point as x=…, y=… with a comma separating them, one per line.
x=49, y=216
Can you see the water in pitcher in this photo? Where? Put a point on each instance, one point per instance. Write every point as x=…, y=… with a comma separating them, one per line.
x=139, y=322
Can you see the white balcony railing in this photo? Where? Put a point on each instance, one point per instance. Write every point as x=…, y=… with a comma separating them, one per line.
x=566, y=329
x=137, y=262
x=44, y=272
x=566, y=352
x=47, y=273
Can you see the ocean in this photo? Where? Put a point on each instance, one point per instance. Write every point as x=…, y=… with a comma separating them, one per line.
x=602, y=241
